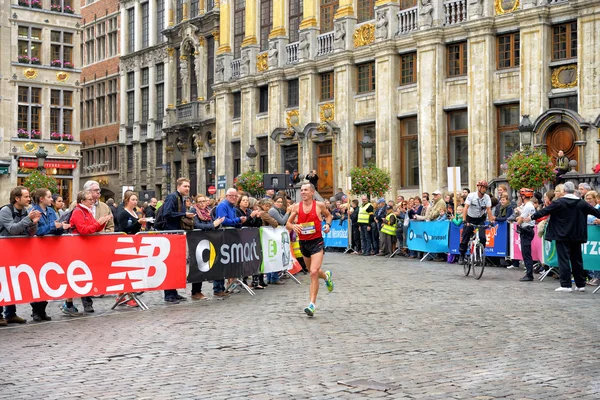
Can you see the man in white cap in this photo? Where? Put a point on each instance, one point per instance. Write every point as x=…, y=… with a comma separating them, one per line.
x=436, y=209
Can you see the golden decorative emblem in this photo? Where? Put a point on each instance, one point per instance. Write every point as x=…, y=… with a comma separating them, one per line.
x=103, y=181
x=30, y=147
x=293, y=118
x=62, y=76
x=170, y=106
x=61, y=148
x=327, y=112
x=217, y=4
x=201, y=41
x=170, y=51
x=30, y=73
x=200, y=99
x=169, y=148
x=182, y=57
x=506, y=6
x=322, y=127
x=216, y=33
x=364, y=35
x=262, y=63
x=564, y=77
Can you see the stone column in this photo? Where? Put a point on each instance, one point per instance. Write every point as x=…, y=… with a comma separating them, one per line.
x=137, y=111
x=122, y=104
x=184, y=72
x=248, y=123
x=309, y=29
x=201, y=10
x=277, y=116
x=152, y=39
x=123, y=33
x=186, y=12
x=170, y=12
x=345, y=150
x=138, y=26
x=221, y=134
x=251, y=22
x=278, y=19
x=170, y=75
x=224, y=27
x=200, y=70
x=345, y=9
x=278, y=38
x=151, y=99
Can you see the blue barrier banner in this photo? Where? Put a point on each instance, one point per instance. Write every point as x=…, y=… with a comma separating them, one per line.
x=496, y=239
x=338, y=234
x=431, y=237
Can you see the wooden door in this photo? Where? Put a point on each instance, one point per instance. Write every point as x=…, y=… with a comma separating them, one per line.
x=325, y=169
x=562, y=138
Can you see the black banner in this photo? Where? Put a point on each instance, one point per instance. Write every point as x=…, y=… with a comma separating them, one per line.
x=221, y=254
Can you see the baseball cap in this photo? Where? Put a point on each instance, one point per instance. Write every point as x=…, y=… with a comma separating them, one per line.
x=437, y=192
x=382, y=200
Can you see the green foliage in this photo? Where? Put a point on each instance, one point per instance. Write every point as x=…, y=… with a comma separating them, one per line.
x=529, y=169
x=37, y=180
x=370, y=180
x=251, y=182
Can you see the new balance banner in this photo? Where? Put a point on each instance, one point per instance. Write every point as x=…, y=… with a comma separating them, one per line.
x=276, y=252
x=220, y=254
x=59, y=267
x=431, y=237
x=536, y=244
x=590, y=250
x=496, y=239
x=338, y=234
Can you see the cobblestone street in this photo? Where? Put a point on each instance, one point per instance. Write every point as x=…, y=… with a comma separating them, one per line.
x=406, y=329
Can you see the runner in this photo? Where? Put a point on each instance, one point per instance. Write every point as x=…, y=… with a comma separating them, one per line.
x=305, y=219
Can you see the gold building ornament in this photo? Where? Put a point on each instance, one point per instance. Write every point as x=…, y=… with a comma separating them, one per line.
x=262, y=63
x=364, y=35
x=61, y=148
x=170, y=51
x=326, y=111
x=292, y=118
x=30, y=73
x=506, y=6
x=30, y=147
x=564, y=77
x=201, y=41
x=215, y=34
x=62, y=76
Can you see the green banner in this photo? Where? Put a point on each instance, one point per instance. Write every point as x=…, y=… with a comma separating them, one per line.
x=3, y=170
x=590, y=250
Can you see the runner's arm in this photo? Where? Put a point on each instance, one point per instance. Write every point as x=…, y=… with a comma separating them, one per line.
x=327, y=217
x=292, y=218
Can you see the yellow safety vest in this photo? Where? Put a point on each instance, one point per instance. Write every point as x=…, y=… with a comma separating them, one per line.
x=363, y=215
x=389, y=229
x=296, y=246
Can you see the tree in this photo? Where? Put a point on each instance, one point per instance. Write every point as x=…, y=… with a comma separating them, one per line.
x=369, y=180
x=37, y=180
x=529, y=169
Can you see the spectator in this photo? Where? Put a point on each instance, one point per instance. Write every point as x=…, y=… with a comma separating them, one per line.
x=58, y=205
x=111, y=204
x=265, y=218
x=356, y=242
x=280, y=213
x=365, y=218
x=388, y=231
x=562, y=165
x=128, y=218
x=150, y=213
x=313, y=178
x=99, y=208
x=294, y=178
x=504, y=209
x=591, y=199
x=16, y=220
x=48, y=223
x=583, y=189
x=339, y=195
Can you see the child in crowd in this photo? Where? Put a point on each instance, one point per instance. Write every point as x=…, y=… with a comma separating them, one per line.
x=458, y=217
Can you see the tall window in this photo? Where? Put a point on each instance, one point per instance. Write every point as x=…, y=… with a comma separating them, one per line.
x=266, y=23
x=404, y=4
x=508, y=131
x=144, y=151
x=29, y=109
x=145, y=25
x=130, y=158
x=409, y=144
x=62, y=6
x=293, y=94
x=61, y=47
x=89, y=45
x=295, y=18
x=194, y=8
x=179, y=11
x=239, y=27
x=236, y=155
x=327, y=86
x=30, y=42
x=210, y=70
x=362, y=132
x=89, y=106
x=457, y=59
x=409, y=69
x=193, y=77
x=328, y=9
x=131, y=30
x=160, y=20
x=101, y=103
x=263, y=99
x=458, y=143
x=61, y=112
x=237, y=105
x=101, y=40
x=112, y=36
x=112, y=101
x=366, y=10
x=566, y=102
x=263, y=154
x=366, y=77
x=145, y=93
x=564, y=41
x=508, y=50
x=159, y=153
x=160, y=91
x=130, y=98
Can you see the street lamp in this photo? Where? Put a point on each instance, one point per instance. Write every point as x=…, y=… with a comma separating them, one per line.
x=526, y=131
x=251, y=153
x=41, y=155
x=367, y=145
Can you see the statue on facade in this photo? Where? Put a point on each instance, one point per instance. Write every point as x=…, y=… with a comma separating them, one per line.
x=219, y=70
x=273, y=54
x=304, y=46
x=475, y=8
x=381, y=27
x=198, y=65
x=183, y=71
x=426, y=14
x=339, y=36
x=245, y=64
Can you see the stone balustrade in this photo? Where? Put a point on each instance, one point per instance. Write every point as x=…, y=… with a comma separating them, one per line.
x=408, y=20
x=235, y=68
x=455, y=12
x=291, y=53
x=325, y=43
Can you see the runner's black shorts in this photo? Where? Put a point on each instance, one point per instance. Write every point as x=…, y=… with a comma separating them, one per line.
x=312, y=246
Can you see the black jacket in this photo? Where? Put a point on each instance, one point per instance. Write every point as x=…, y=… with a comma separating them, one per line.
x=568, y=219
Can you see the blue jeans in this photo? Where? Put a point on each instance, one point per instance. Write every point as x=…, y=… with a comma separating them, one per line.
x=272, y=277
x=365, y=239
x=219, y=286
x=9, y=311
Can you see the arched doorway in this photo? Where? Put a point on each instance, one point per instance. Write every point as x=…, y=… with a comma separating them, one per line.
x=562, y=137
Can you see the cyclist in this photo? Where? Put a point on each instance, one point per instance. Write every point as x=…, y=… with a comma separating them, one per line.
x=525, y=230
x=477, y=205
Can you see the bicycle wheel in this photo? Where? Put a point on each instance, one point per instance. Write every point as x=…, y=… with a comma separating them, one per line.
x=467, y=265
x=479, y=261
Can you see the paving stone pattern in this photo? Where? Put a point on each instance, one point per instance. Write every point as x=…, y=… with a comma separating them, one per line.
x=402, y=329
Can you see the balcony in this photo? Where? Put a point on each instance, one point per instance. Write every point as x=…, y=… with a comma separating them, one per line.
x=408, y=20
x=235, y=68
x=455, y=12
x=291, y=53
x=325, y=44
x=194, y=112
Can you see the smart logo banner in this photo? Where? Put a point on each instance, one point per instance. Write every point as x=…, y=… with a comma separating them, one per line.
x=431, y=237
x=275, y=249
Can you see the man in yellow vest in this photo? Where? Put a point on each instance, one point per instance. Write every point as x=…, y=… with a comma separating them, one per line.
x=365, y=218
x=388, y=232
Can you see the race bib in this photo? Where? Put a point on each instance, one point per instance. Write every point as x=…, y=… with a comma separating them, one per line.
x=308, y=228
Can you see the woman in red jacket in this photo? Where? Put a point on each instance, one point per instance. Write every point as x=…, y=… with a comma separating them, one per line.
x=82, y=220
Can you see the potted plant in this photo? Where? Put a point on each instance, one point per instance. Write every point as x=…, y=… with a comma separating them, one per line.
x=69, y=10
x=37, y=4
x=68, y=137
x=251, y=182
x=35, y=134
x=56, y=63
x=369, y=180
x=55, y=136
x=529, y=169
x=35, y=60
x=23, y=133
x=24, y=3
x=55, y=7
x=68, y=64
x=24, y=59
x=37, y=180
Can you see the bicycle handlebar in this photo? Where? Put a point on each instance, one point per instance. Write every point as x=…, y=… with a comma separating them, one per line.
x=478, y=226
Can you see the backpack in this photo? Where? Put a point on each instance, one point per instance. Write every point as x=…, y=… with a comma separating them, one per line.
x=160, y=222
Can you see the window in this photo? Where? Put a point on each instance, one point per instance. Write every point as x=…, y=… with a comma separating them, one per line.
x=65, y=6
x=160, y=20
x=266, y=23
x=61, y=47
x=458, y=143
x=366, y=10
x=564, y=41
x=409, y=69
x=89, y=45
x=89, y=106
x=237, y=105
x=30, y=43
x=130, y=158
x=101, y=103
x=112, y=101
x=239, y=27
x=295, y=18
x=160, y=91
x=61, y=113
x=194, y=8
x=145, y=95
x=409, y=144
x=101, y=41
x=404, y=4
x=327, y=86
x=362, y=132
x=293, y=95
x=29, y=111
x=131, y=30
x=366, y=77
x=193, y=77
x=508, y=50
x=263, y=100
x=237, y=158
x=112, y=37
x=130, y=98
x=263, y=154
x=159, y=153
x=210, y=70
x=457, y=59
x=145, y=25
x=144, y=151
x=566, y=102
x=179, y=84
x=328, y=9
x=179, y=11
x=508, y=131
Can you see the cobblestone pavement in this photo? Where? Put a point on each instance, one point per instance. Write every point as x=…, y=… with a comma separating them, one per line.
x=409, y=330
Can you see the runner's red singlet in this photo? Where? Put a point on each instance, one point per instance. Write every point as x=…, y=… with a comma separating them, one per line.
x=310, y=223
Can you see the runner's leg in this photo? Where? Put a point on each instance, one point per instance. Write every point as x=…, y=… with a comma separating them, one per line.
x=314, y=267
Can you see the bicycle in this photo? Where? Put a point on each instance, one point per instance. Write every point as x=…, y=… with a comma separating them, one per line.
x=476, y=258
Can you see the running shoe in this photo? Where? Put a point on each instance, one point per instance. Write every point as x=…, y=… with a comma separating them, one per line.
x=70, y=311
x=329, y=281
x=310, y=310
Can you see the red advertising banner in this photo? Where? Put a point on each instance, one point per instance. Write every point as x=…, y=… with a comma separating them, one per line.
x=58, y=267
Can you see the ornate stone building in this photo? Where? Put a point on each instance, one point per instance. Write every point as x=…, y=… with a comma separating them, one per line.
x=39, y=91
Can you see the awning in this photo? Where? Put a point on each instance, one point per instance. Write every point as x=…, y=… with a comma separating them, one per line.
x=59, y=164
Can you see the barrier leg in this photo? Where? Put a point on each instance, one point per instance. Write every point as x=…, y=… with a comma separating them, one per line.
x=292, y=276
x=238, y=282
x=598, y=288
x=125, y=297
x=424, y=257
x=546, y=273
x=395, y=252
x=120, y=300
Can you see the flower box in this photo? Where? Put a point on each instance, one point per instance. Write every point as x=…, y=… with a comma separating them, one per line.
x=56, y=63
x=55, y=136
x=24, y=3
x=37, y=4
x=68, y=64
x=35, y=60
x=69, y=10
x=23, y=134
x=67, y=137
x=36, y=134
x=23, y=59
x=55, y=8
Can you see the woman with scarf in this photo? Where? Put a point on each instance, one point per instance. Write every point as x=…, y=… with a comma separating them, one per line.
x=503, y=210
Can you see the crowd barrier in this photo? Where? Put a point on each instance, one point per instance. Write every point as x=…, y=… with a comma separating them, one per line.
x=338, y=234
